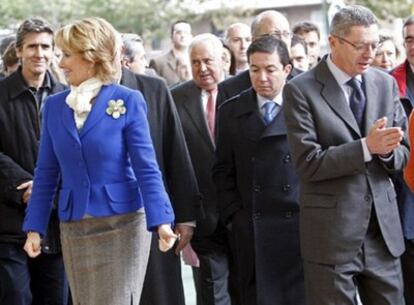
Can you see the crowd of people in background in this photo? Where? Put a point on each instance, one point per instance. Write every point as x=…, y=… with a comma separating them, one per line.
x=280, y=174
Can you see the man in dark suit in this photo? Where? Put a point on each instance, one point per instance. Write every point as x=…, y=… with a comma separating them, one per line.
x=25, y=281
x=163, y=283
x=270, y=23
x=405, y=79
x=257, y=185
x=195, y=100
x=345, y=128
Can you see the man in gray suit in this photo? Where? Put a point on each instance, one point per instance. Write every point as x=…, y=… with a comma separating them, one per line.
x=346, y=133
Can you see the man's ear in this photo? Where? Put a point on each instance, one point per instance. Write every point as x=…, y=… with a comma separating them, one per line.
x=19, y=53
x=287, y=69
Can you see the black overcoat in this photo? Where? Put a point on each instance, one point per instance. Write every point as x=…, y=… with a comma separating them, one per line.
x=258, y=198
x=163, y=284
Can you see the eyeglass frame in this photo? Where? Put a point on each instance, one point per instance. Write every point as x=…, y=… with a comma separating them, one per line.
x=359, y=48
x=278, y=34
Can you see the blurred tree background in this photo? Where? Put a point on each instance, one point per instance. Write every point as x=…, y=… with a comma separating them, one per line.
x=139, y=16
x=149, y=18
x=387, y=9
x=152, y=18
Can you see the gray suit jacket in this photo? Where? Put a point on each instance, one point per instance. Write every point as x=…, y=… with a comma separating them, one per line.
x=338, y=189
x=165, y=66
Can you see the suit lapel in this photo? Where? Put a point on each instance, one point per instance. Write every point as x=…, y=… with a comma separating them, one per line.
x=171, y=61
x=98, y=109
x=372, y=111
x=277, y=127
x=193, y=106
x=333, y=95
x=128, y=79
x=68, y=120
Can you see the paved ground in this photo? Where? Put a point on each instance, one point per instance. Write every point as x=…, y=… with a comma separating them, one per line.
x=189, y=290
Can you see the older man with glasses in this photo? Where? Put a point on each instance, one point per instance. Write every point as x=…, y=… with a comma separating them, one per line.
x=267, y=23
x=345, y=127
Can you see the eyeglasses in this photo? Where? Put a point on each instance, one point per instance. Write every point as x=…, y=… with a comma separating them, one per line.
x=360, y=47
x=278, y=34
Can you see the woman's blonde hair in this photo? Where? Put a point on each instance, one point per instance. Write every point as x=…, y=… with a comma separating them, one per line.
x=97, y=41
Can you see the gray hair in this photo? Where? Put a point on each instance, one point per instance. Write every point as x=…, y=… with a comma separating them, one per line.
x=349, y=16
x=132, y=43
x=207, y=39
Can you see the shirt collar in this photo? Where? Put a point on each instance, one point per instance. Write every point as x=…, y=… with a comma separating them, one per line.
x=341, y=77
x=206, y=93
x=262, y=100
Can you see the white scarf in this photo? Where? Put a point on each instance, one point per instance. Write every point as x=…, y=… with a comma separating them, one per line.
x=80, y=97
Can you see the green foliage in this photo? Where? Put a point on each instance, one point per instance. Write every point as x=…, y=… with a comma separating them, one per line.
x=149, y=18
x=139, y=16
x=387, y=9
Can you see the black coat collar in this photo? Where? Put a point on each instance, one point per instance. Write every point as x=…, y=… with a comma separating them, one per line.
x=252, y=123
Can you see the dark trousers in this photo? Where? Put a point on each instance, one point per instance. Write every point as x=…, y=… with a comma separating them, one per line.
x=407, y=265
x=163, y=283
x=212, y=276
x=25, y=281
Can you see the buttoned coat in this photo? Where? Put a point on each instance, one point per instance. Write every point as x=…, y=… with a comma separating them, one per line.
x=258, y=195
x=107, y=168
x=338, y=188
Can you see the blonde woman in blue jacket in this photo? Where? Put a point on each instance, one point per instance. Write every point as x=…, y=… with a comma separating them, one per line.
x=95, y=139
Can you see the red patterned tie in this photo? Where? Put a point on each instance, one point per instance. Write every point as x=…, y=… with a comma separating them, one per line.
x=211, y=111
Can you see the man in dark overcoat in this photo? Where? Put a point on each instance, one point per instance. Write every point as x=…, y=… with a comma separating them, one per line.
x=257, y=185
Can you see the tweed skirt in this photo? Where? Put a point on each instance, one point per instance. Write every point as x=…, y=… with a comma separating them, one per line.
x=106, y=258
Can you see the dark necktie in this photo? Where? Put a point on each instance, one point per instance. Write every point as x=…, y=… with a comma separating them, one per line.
x=269, y=112
x=357, y=101
x=211, y=113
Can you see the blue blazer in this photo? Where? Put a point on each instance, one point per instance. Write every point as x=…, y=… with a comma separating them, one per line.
x=108, y=167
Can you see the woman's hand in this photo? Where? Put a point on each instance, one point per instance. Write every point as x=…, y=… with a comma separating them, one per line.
x=27, y=186
x=32, y=245
x=167, y=237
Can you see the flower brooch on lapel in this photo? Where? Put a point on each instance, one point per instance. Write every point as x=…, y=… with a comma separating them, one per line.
x=116, y=108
